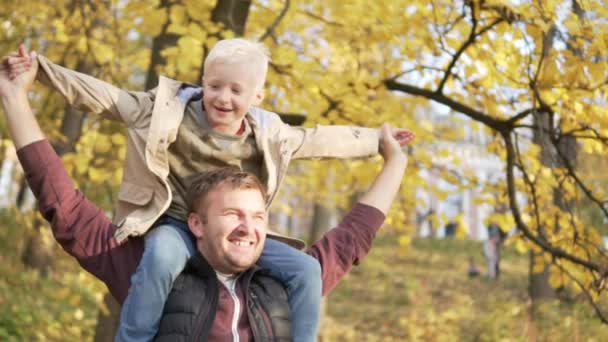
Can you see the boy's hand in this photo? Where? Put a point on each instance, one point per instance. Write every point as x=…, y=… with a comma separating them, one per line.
x=20, y=68
x=391, y=141
x=403, y=135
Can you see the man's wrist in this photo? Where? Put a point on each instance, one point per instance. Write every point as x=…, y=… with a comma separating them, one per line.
x=398, y=160
x=14, y=96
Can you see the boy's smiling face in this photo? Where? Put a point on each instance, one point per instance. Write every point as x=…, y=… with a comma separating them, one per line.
x=230, y=89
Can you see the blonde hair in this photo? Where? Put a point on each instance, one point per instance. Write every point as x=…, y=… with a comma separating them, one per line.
x=240, y=50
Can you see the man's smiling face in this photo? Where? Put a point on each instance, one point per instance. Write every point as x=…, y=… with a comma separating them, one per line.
x=230, y=228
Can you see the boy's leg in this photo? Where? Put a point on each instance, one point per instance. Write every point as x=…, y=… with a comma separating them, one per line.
x=168, y=246
x=301, y=274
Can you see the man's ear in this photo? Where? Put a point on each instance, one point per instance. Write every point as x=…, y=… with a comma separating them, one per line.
x=259, y=97
x=195, y=223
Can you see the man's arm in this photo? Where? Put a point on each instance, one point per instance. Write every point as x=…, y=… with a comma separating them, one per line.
x=83, y=92
x=81, y=228
x=343, y=246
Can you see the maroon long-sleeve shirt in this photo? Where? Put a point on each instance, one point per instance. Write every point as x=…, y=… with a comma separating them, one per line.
x=87, y=234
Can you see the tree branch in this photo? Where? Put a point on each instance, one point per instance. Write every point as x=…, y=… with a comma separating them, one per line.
x=276, y=22
x=462, y=49
x=521, y=225
x=496, y=124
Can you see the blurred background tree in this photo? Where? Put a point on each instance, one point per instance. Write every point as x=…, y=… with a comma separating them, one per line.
x=520, y=83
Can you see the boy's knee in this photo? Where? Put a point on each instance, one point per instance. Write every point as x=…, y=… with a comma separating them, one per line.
x=308, y=269
x=165, y=256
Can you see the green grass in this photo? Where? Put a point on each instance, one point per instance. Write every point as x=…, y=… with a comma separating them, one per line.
x=61, y=306
x=424, y=294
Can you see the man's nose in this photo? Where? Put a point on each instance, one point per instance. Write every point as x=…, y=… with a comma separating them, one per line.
x=247, y=224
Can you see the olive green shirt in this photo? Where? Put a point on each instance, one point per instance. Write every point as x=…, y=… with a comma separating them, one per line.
x=198, y=148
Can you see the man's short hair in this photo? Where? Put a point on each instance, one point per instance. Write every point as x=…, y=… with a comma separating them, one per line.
x=240, y=50
x=203, y=183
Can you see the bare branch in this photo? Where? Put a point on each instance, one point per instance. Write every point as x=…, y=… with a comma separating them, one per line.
x=275, y=23
x=584, y=290
x=521, y=225
x=472, y=37
x=523, y=114
x=577, y=179
x=496, y=124
x=321, y=19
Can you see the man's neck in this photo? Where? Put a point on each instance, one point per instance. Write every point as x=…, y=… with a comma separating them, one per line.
x=228, y=280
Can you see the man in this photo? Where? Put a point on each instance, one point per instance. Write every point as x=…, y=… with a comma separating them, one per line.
x=228, y=221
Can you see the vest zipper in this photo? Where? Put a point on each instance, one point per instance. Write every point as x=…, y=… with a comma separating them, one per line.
x=237, y=310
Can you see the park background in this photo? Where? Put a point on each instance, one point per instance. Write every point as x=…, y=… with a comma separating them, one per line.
x=508, y=101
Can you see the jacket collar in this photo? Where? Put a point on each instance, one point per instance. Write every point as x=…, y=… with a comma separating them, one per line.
x=200, y=266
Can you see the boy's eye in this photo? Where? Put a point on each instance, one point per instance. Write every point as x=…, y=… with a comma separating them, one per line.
x=236, y=91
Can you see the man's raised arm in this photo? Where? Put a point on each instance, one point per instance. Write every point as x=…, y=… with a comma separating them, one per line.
x=81, y=228
x=344, y=246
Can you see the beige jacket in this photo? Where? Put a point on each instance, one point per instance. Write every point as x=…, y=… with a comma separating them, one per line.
x=153, y=119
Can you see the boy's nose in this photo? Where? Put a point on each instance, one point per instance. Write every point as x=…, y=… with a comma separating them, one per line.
x=224, y=95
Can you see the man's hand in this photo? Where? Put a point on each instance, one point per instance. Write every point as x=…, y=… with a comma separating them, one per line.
x=392, y=140
x=384, y=188
x=18, y=71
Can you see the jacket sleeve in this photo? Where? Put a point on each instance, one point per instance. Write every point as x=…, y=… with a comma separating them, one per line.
x=88, y=94
x=332, y=141
x=81, y=228
x=345, y=245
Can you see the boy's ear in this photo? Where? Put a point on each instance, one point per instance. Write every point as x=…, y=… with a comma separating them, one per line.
x=195, y=223
x=259, y=97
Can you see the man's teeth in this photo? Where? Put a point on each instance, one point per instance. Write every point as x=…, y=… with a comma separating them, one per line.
x=242, y=243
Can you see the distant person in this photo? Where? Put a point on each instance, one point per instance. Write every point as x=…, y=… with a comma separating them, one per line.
x=491, y=250
x=450, y=229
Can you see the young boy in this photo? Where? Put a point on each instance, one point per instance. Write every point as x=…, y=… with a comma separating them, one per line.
x=178, y=130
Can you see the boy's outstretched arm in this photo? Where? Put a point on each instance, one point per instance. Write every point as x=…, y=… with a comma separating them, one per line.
x=82, y=92
x=81, y=228
x=336, y=141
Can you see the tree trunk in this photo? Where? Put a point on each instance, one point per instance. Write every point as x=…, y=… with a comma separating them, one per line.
x=539, y=288
x=159, y=43
x=323, y=220
x=233, y=15
x=107, y=323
